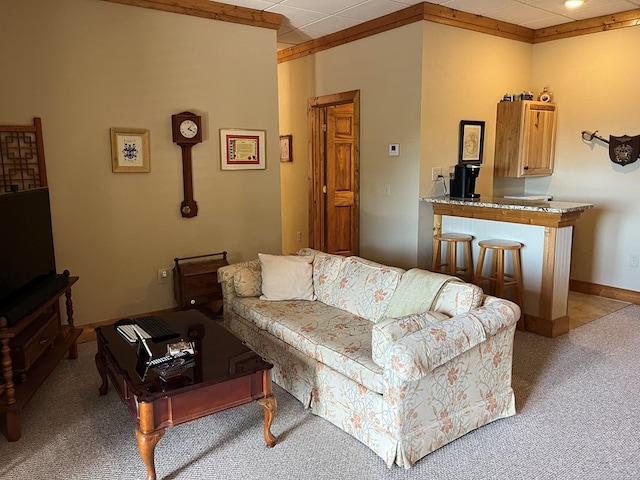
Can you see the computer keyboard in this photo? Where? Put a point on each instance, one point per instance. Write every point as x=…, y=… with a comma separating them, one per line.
x=158, y=331
x=149, y=327
x=128, y=332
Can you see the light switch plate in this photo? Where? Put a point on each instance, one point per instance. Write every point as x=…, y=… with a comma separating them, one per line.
x=394, y=149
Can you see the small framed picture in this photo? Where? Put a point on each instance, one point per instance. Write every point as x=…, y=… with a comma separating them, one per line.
x=130, y=150
x=471, y=146
x=286, y=148
x=242, y=149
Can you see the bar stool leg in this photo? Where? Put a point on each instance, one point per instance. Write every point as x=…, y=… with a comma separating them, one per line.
x=452, y=252
x=468, y=262
x=517, y=274
x=481, y=255
x=499, y=255
x=436, y=257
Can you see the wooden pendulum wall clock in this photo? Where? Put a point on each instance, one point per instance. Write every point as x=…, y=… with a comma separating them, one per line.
x=187, y=132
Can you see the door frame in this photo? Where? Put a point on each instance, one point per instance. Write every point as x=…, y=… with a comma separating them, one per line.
x=316, y=154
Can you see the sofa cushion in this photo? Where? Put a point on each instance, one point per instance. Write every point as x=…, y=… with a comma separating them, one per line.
x=286, y=277
x=247, y=282
x=417, y=292
x=458, y=298
x=326, y=267
x=253, y=309
x=350, y=355
x=338, y=339
x=387, y=331
x=364, y=289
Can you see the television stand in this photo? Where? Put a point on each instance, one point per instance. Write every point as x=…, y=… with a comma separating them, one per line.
x=29, y=351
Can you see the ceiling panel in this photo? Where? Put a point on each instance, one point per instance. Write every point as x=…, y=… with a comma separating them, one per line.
x=310, y=19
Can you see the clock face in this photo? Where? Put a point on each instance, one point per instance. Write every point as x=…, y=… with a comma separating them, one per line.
x=188, y=129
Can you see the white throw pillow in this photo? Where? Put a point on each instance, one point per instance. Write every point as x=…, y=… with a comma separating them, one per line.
x=286, y=277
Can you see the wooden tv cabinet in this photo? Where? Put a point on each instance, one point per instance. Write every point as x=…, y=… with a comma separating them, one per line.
x=30, y=350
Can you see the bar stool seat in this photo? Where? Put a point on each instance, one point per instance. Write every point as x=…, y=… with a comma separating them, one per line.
x=499, y=279
x=450, y=265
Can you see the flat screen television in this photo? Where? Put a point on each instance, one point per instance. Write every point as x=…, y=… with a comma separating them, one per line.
x=27, y=256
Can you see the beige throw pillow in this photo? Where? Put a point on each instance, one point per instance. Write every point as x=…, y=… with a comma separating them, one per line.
x=286, y=277
x=247, y=282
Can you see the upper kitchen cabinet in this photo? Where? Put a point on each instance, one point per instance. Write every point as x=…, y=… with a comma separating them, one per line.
x=525, y=139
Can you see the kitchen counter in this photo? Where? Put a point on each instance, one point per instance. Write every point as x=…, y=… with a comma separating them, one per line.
x=513, y=204
x=545, y=228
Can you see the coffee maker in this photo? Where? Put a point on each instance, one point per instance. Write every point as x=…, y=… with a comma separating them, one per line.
x=462, y=183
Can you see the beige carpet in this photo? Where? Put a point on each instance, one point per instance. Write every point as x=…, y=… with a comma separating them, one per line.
x=577, y=418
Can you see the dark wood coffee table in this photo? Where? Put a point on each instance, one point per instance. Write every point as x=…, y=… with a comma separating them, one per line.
x=226, y=374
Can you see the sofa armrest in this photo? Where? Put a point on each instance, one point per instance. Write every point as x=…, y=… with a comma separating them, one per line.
x=497, y=314
x=414, y=356
x=390, y=330
x=234, y=279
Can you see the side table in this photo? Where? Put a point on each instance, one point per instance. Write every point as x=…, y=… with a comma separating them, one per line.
x=195, y=279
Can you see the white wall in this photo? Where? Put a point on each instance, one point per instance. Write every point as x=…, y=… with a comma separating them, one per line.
x=84, y=66
x=416, y=82
x=595, y=81
x=465, y=74
x=386, y=68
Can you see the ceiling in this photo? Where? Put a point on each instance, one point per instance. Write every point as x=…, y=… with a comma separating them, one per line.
x=310, y=19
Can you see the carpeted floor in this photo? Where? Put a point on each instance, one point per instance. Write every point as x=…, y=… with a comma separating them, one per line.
x=578, y=418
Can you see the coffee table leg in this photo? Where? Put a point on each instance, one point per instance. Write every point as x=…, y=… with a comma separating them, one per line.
x=147, y=444
x=147, y=441
x=102, y=370
x=270, y=408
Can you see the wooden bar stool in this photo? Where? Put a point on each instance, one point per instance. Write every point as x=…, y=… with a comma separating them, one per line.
x=450, y=265
x=499, y=279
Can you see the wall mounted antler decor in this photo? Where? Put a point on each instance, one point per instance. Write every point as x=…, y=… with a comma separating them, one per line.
x=622, y=150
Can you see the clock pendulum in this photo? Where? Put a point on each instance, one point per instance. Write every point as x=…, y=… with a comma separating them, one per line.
x=187, y=132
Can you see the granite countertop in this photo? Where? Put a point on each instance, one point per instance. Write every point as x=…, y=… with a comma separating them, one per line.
x=512, y=204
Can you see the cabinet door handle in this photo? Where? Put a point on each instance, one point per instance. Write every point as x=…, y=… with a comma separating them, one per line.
x=526, y=167
x=44, y=340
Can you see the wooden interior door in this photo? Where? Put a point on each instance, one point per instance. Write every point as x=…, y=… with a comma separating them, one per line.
x=334, y=187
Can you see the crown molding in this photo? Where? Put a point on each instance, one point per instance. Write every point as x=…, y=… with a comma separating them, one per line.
x=421, y=11
x=455, y=18
x=630, y=18
x=211, y=10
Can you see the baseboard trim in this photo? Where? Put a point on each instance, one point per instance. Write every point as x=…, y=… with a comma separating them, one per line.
x=615, y=293
x=546, y=328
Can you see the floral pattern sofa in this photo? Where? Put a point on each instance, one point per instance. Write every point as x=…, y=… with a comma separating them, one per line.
x=405, y=361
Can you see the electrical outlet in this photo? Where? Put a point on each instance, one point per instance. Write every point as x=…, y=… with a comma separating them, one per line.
x=163, y=275
x=634, y=260
x=385, y=191
x=298, y=236
x=436, y=173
